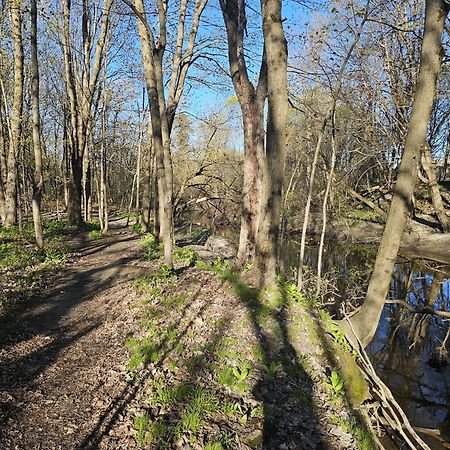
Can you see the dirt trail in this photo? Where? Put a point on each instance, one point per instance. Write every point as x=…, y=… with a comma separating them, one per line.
x=62, y=356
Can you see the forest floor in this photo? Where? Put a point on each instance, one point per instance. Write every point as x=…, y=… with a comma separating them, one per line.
x=118, y=353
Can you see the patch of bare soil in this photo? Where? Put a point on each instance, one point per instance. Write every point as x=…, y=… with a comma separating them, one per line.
x=62, y=355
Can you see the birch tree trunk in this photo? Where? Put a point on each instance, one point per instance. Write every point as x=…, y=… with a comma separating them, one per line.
x=365, y=321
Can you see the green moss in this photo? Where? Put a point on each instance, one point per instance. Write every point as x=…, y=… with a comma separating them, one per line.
x=356, y=386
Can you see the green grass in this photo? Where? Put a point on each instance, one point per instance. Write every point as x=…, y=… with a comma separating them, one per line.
x=152, y=249
x=141, y=426
x=137, y=228
x=142, y=351
x=185, y=255
x=361, y=435
x=213, y=446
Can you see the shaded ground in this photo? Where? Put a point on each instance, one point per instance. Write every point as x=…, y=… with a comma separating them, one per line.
x=62, y=356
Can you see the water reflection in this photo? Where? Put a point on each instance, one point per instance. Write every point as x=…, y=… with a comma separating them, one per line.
x=408, y=348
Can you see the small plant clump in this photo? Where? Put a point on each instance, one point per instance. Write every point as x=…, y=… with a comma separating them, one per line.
x=152, y=248
x=335, y=384
x=95, y=234
x=143, y=352
x=185, y=255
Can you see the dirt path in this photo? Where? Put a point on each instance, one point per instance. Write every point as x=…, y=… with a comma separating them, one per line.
x=62, y=356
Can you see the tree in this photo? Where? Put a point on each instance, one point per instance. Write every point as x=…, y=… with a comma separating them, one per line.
x=162, y=112
x=81, y=88
x=251, y=100
x=275, y=48
x=16, y=114
x=365, y=321
x=38, y=181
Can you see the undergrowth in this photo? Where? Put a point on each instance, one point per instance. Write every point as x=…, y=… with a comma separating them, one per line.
x=23, y=266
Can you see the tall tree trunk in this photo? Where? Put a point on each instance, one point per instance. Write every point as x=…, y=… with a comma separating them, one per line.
x=138, y=179
x=73, y=157
x=156, y=224
x=16, y=114
x=312, y=177
x=325, y=204
x=251, y=100
x=2, y=170
x=164, y=194
x=365, y=321
x=38, y=181
x=166, y=197
x=275, y=48
x=103, y=169
x=253, y=119
x=162, y=115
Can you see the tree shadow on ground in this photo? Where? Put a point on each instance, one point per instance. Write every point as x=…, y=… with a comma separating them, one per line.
x=172, y=335
x=280, y=380
x=289, y=408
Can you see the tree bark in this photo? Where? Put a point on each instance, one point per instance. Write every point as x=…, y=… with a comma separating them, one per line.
x=365, y=321
x=325, y=203
x=11, y=191
x=275, y=48
x=73, y=158
x=162, y=113
x=38, y=180
x=147, y=182
x=164, y=193
x=251, y=100
x=103, y=160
